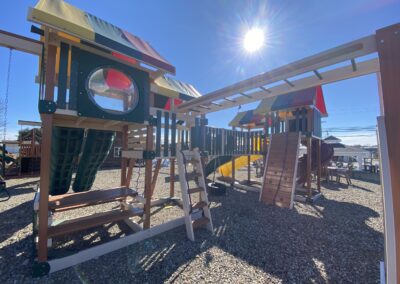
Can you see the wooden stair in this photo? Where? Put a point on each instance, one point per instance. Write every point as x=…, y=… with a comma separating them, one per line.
x=280, y=172
x=95, y=220
x=192, y=211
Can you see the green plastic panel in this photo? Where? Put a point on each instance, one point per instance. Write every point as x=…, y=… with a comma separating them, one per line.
x=66, y=145
x=97, y=147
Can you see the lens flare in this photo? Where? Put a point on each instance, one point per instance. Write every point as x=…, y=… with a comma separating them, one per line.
x=254, y=40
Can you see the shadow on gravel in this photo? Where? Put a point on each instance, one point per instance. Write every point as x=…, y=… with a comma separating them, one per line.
x=337, y=186
x=337, y=246
x=15, y=219
x=23, y=188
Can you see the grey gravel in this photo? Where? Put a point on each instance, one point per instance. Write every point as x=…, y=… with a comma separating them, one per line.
x=337, y=240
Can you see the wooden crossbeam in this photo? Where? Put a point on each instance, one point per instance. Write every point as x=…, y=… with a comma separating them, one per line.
x=330, y=76
x=288, y=82
x=329, y=57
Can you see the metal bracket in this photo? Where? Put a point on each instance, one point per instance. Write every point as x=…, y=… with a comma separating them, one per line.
x=149, y=155
x=40, y=269
x=47, y=106
x=152, y=121
x=204, y=154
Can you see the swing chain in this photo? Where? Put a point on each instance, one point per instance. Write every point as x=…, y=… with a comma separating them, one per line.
x=6, y=94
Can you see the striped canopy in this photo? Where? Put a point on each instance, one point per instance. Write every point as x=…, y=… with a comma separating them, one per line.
x=172, y=89
x=247, y=119
x=312, y=97
x=303, y=98
x=66, y=18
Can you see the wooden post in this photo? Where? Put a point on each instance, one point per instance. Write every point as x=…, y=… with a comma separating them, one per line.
x=130, y=172
x=388, y=45
x=309, y=161
x=248, y=157
x=147, y=178
x=319, y=165
x=172, y=178
x=233, y=156
x=124, y=160
x=3, y=162
x=155, y=176
x=47, y=124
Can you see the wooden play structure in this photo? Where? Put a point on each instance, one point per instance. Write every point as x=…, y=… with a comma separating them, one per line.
x=297, y=112
x=29, y=147
x=109, y=81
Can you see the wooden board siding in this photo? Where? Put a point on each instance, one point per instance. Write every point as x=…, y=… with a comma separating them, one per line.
x=280, y=172
x=388, y=44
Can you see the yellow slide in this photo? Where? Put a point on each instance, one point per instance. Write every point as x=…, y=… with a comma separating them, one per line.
x=226, y=169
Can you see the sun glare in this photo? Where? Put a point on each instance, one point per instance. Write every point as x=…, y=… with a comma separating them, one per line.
x=253, y=40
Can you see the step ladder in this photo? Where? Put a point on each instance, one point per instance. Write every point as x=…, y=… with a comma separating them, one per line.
x=196, y=214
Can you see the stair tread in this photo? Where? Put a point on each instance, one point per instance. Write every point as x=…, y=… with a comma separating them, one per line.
x=190, y=176
x=200, y=222
x=195, y=189
x=200, y=204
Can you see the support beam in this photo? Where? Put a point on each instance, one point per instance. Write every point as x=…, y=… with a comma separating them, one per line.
x=388, y=44
x=155, y=176
x=330, y=76
x=124, y=161
x=319, y=165
x=329, y=57
x=309, y=161
x=172, y=178
x=147, y=179
x=47, y=122
x=20, y=43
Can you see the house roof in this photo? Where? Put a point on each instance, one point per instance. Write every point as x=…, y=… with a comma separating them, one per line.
x=332, y=138
x=350, y=150
x=303, y=98
x=90, y=29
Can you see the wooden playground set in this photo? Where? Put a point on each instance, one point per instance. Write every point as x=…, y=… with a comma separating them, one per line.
x=96, y=80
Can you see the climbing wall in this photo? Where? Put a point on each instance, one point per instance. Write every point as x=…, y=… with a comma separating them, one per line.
x=280, y=171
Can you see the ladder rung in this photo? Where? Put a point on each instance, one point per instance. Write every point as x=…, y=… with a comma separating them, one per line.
x=192, y=161
x=199, y=222
x=199, y=205
x=192, y=176
x=195, y=189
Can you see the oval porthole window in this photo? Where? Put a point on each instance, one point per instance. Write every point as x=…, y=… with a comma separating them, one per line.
x=112, y=90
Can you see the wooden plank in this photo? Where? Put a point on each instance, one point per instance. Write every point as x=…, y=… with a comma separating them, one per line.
x=124, y=160
x=280, y=174
x=155, y=176
x=63, y=76
x=388, y=43
x=102, y=249
x=92, y=221
x=158, y=133
x=21, y=43
x=47, y=122
x=88, y=198
x=129, y=174
x=166, y=134
x=147, y=179
x=309, y=165
x=172, y=178
x=73, y=84
x=173, y=134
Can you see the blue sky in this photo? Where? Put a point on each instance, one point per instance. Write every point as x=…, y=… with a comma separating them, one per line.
x=203, y=39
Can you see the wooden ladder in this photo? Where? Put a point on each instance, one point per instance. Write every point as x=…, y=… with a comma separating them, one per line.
x=192, y=211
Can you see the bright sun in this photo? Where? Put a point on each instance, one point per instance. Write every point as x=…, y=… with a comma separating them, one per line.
x=253, y=40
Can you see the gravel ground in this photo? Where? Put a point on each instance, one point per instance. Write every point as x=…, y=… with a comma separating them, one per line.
x=337, y=240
